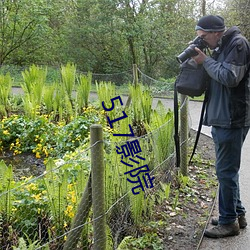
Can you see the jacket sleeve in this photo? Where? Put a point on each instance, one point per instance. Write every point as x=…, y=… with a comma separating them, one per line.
x=234, y=66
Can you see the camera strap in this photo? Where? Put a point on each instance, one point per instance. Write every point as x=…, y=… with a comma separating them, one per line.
x=200, y=126
x=176, y=126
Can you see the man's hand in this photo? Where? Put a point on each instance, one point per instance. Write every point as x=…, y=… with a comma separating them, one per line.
x=200, y=58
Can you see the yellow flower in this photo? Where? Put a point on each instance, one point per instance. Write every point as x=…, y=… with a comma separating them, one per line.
x=14, y=209
x=37, y=196
x=17, y=152
x=69, y=211
x=31, y=187
x=73, y=199
x=6, y=132
x=38, y=156
x=45, y=151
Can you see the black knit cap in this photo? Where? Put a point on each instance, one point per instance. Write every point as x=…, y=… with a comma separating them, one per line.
x=210, y=23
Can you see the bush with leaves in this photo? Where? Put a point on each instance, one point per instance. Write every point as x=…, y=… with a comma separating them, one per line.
x=42, y=137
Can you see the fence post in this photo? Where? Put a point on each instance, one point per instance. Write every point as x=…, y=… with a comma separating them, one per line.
x=135, y=74
x=135, y=82
x=98, y=194
x=80, y=218
x=184, y=135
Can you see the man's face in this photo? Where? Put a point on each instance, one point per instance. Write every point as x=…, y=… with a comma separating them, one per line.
x=211, y=38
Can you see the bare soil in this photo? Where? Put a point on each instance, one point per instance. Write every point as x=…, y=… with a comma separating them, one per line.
x=187, y=222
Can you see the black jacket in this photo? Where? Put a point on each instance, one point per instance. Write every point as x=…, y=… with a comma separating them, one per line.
x=229, y=90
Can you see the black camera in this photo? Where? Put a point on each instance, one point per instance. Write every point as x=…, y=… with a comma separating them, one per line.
x=190, y=51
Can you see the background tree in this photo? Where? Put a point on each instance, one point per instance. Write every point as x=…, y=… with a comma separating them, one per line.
x=94, y=38
x=104, y=36
x=237, y=13
x=21, y=25
x=109, y=36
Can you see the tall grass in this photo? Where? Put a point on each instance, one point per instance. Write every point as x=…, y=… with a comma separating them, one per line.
x=83, y=91
x=6, y=197
x=106, y=91
x=68, y=74
x=141, y=103
x=33, y=86
x=5, y=90
x=161, y=126
x=48, y=98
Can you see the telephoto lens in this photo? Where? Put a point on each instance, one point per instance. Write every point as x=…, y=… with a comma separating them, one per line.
x=190, y=50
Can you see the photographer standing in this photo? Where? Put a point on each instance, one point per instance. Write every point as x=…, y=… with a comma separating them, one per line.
x=228, y=112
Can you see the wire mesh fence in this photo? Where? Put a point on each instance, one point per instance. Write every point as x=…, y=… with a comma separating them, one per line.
x=57, y=209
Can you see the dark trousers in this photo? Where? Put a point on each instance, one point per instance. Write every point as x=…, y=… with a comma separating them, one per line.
x=228, y=145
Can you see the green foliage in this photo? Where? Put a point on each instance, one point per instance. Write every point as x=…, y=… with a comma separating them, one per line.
x=106, y=91
x=6, y=184
x=43, y=137
x=59, y=102
x=176, y=199
x=34, y=81
x=56, y=187
x=184, y=181
x=29, y=245
x=15, y=71
x=147, y=241
x=137, y=207
x=162, y=125
x=23, y=25
x=163, y=87
x=30, y=206
x=56, y=99
x=164, y=192
x=49, y=200
x=103, y=36
x=68, y=74
x=48, y=98
x=141, y=109
x=83, y=91
x=5, y=90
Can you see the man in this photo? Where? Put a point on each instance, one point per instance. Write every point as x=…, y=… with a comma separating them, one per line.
x=228, y=112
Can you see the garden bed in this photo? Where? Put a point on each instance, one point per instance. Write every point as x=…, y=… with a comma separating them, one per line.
x=25, y=164
x=54, y=125
x=178, y=222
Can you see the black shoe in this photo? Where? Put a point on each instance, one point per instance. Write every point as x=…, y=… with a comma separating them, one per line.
x=241, y=219
x=221, y=231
